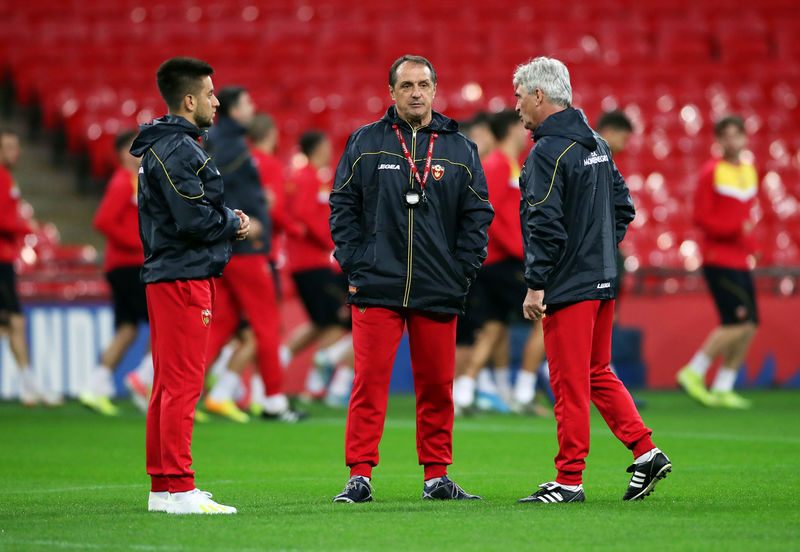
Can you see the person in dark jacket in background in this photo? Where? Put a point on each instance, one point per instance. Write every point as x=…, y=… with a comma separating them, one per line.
x=409, y=220
x=575, y=209
x=186, y=233
x=247, y=285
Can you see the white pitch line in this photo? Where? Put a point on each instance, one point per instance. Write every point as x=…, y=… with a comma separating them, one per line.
x=104, y=546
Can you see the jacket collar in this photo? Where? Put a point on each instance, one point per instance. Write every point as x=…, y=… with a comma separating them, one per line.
x=439, y=122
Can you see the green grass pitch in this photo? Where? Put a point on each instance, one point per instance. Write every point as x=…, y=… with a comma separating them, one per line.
x=71, y=480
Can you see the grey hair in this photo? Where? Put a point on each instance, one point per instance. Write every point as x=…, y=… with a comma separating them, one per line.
x=549, y=75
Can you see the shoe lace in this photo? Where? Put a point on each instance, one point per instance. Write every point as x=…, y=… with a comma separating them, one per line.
x=354, y=482
x=206, y=493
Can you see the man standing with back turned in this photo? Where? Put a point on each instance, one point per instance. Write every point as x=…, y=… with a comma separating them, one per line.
x=186, y=232
x=575, y=209
x=409, y=220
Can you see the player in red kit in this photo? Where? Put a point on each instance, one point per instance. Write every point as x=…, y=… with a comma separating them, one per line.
x=320, y=285
x=502, y=282
x=247, y=286
x=117, y=218
x=186, y=233
x=726, y=191
x=12, y=230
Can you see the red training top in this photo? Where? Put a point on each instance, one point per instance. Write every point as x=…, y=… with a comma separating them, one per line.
x=308, y=203
x=117, y=218
x=12, y=226
x=722, y=201
x=270, y=170
x=502, y=181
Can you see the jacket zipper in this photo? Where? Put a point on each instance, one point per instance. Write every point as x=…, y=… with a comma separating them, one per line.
x=410, y=221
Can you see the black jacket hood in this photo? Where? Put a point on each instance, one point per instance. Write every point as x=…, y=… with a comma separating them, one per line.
x=150, y=133
x=439, y=122
x=570, y=124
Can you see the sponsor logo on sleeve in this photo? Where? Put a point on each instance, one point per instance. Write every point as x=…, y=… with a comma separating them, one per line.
x=594, y=159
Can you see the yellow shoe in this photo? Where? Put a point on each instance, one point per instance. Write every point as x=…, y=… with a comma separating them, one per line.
x=98, y=403
x=730, y=399
x=200, y=417
x=227, y=409
x=695, y=386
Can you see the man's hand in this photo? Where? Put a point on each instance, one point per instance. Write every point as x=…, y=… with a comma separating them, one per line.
x=532, y=307
x=256, y=229
x=244, y=227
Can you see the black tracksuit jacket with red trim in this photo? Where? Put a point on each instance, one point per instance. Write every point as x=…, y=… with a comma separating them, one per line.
x=423, y=258
x=186, y=229
x=575, y=209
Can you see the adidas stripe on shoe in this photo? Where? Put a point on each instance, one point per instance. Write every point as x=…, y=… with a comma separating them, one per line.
x=552, y=492
x=646, y=475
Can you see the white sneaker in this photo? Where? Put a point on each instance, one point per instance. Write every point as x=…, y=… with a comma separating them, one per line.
x=196, y=502
x=30, y=394
x=157, y=502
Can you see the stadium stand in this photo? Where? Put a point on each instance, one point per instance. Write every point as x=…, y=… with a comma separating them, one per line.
x=674, y=67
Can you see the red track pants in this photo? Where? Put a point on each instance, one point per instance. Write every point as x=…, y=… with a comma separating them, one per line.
x=578, y=343
x=247, y=287
x=432, y=339
x=180, y=319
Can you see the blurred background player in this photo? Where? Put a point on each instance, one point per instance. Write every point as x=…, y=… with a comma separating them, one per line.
x=478, y=130
x=246, y=286
x=616, y=129
x=725, y=193
x=469, y=324
x=117, y=218
x=12, y=230
x=502, y=281
x=319, y=285
x=264, y=136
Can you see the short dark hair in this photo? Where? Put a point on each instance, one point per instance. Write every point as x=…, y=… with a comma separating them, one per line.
x=124, y=139
x=481, y=118
x=725, y=122
x=501, y=122
x=180, y=76
x=260, y=127
x=413, y=59
x=615, y=120
x=228, y=98
x=310, y=141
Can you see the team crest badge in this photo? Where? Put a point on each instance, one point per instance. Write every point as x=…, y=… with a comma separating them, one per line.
x=437, y=171
x=205, y=314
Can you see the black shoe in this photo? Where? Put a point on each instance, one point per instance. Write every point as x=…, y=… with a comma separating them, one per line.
x=288, y=416
x=552, y=492
x=358, y=489
x=646, y=475
x=446, y=489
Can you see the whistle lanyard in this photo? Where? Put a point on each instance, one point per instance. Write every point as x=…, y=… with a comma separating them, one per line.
x=410, y=159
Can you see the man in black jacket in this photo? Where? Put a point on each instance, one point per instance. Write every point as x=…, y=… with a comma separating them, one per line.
x=186, y=232
x=409, y=220
x=247, y=285
x=575, y=209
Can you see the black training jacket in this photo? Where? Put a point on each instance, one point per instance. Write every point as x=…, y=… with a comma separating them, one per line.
x=575, y=209
x=186, y=229
x=423, y=258
x=243, y=189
